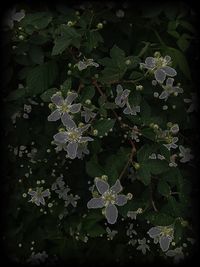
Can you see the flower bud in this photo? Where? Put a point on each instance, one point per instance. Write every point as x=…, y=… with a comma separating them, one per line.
x=128, y=62
x=95, y=132
x=51, y=106
x=129, y=196
x=104, y=177
x=100, y=26
x=69, y=23
x=136, y=165
x=69, y=72
x=157, y=54
x=88, y=101
x=21, y=37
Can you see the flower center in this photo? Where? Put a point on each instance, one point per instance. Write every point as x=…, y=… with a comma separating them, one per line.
x=74, y=135
x=109, y=197
x=167, y=231
x=64, y=108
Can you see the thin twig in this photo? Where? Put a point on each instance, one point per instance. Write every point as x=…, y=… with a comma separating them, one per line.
x=151, y=198
x=79, y=88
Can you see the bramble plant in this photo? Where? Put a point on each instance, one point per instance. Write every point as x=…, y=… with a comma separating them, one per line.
x=99, y=123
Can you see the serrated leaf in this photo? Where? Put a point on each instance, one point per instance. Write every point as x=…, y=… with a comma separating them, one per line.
x=157, y=166
x=163, y=188
x=144, y=152
x=39, y=20
x=144, y=174
x=148, y=133
x=93, y=168
x=40, y=78
x=87, y=92
x=36, y=54
x=18, y=93
x=69, y=37
x=103, y=126
x=159, y=219
x=46, y=96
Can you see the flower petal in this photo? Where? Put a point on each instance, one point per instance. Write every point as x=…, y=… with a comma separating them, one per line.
x=150, y=62
x=154, y=232
x=101, y=185
x=127, y=110
x=169, y=81
x=169, y=71
x=164, y=242
x=160, y=75
x=119, y=89
x=121, y=200
x=67, y=121
x=57, y=99
x=72, y=149
x=164, y=95
x=95, y=203
x=75, y=108
x=46, y=193
x=84, y=128
x=117, y=187
x=111, y=213
x=60, y=137
x=86, y=139
x=70, y=98
x=54, y=116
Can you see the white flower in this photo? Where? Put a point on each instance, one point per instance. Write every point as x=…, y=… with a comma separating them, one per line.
x=12, y=16
x=73, y=136
x=193, y=103
x=162, y=234
x=108, y=199
x=160, y=67
x=122, y=96
x=38, y=258
x=70, y=199
x=130, y=231
x=87, y=114
x=38, y=196
x=185, y=153
x=110, y=234
x=143, y=246
x=131, y=110
x=64, y=106
x=177, y=253
x=169, y=89
x=83, y=64
x=172, y=143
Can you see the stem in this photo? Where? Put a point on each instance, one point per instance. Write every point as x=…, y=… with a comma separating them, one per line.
x=151, y=198
x=144, y=49
x=79, y=88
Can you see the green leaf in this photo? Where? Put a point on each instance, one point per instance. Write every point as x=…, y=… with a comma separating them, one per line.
x=87, y=92
x=36, y=54
x=136, y=75
x=163, y=188
x=144, y=174
x=115, y=66
x=144, y=152
x=40, y=78
x=18, y=93
x=148, y=133
x=69, y=37
x=115, y=164
x=183, y=43
x=46, y=96
x=39, y=20
x=103, y=126
x=180, y=59
x=93, y=168
x=157, y=166
x=159, y=219
x=145, y=111
x=93, y=39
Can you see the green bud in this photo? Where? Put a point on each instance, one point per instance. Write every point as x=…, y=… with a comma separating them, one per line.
x=139, y=87
x=157, y=54
x=155, y=127
x=69, y=23
x=69, y=65
x=21, y=37
x=136, y=165
x=104, y=177
x=95, y=132
x=129, y=196
x=69, y=72
x=88, y=101
x=51, y=106
x=61, y=130
x=80, y=124
x=100, y=26
x=128, y=62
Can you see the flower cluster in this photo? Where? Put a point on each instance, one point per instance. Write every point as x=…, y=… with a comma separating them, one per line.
x=71, y=140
